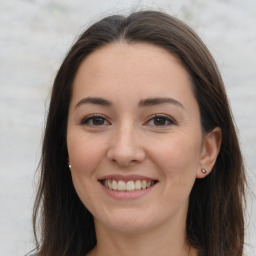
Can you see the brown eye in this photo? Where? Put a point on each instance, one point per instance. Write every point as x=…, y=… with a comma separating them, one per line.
x=160, y=121
x=95, y=121
x=98, y=121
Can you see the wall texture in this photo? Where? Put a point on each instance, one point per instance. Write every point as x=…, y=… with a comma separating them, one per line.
x=34, y=36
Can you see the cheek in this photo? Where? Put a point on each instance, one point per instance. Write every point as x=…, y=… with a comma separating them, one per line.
x=84, y=153
x=178, y=157
x=178, y=163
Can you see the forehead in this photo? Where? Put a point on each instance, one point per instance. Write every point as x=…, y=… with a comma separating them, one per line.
x=131, y=70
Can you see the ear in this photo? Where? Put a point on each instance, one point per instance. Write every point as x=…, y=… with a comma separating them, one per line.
x=210, y=150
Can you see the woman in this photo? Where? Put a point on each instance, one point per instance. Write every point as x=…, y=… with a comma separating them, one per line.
x=140, y=154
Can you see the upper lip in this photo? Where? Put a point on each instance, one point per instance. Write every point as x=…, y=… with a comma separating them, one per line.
x=126, y=177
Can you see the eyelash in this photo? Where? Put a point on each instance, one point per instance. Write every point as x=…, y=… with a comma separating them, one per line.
x=87, y=121
x=92, y=118
x=163, y=118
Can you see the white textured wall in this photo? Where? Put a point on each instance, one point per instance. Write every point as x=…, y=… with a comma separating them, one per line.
x=34, y=36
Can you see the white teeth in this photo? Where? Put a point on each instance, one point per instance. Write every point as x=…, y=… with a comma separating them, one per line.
x=121, y=185
x=129, y=185
x=114, y=185
x=109, y=184
x=143, y=184
x=138, y=184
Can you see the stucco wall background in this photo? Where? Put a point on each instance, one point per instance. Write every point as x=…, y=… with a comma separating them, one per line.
x=34, y=37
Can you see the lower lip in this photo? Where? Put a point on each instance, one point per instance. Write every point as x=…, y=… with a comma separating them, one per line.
x=123, y=195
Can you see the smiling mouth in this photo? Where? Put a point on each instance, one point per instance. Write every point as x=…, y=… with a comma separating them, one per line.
x=129, y=186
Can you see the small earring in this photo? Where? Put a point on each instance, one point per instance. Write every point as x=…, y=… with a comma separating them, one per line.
x=69, y=166
x=203, y=171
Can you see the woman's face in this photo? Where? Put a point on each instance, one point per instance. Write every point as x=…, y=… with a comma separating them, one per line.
x=134, y=138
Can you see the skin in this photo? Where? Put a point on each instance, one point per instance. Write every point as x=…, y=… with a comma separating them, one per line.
x=127, y=139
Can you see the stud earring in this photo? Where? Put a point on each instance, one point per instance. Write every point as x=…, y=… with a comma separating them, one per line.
x=203, y=171
x=69, y=166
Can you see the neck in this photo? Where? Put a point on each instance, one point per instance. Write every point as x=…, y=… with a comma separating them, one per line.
x=161, y=240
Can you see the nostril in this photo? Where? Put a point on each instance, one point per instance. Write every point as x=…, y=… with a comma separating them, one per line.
x=126, y=157
x=125, y=149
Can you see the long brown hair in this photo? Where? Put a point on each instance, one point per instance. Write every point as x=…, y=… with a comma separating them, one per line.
x=215, y=223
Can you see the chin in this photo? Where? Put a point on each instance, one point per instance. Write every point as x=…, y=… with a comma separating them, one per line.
x=129, y=227
x=129, y=222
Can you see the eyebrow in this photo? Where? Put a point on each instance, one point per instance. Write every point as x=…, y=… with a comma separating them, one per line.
x=94, y=100
x=159, y=101
x=142, y=103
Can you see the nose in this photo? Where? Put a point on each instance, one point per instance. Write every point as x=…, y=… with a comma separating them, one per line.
x=126, y=148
